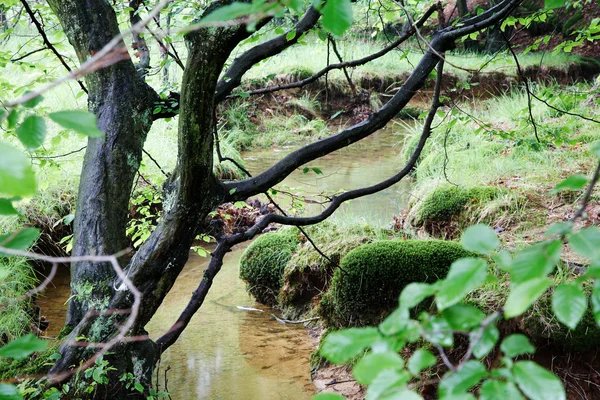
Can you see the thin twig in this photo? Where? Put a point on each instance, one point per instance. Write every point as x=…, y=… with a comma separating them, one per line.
x=47, y=42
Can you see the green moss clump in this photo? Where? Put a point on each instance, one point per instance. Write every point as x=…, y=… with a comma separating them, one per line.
x=570, y=23
x=366, y=286
x=308, y=274
x=298, y=73
x=263, y=262
x=37, y=364
x=447, y=202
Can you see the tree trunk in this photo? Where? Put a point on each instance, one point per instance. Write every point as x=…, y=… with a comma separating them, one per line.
x=123, y=105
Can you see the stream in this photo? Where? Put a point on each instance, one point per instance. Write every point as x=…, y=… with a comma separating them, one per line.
x=232, y=353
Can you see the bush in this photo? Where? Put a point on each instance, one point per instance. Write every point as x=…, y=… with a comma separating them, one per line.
x=366, y=286
x=263, y=262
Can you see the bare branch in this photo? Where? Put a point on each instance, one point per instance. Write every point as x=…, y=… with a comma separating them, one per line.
x=349, y=64
x=47, y=42
x=233, y=75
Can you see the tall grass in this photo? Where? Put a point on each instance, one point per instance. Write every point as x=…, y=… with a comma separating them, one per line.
x=18, y=278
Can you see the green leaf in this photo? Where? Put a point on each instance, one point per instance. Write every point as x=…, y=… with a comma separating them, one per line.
x=465, y=275
x=515, y=345
x=499, y=390
x=16, y=174
x=342, y=346
x=6, y=207
x=83, y=122
x=32, y=132
x=480, y=238
x=461, y=381
x=486, y=343
x=23, y=347
x=290, y=35
x=586, y=242
x=12, y=119
x=395, y=322
x=536, y=261
x=337, y=16
x=414, y=293
x=328, y=396
x=574, y=182
x=9, y=392
x=554, y=3
x=33, y=102
x=559, y=228
x=21, y=240
x=569, y=303
x=462, y=317
x=437, y=331
x=138, y=386
x=420, y=360
x=523, y=295
x=537, y=383
x=373, y=363
x=228, y=12
x=317, y=171
x=596, y=301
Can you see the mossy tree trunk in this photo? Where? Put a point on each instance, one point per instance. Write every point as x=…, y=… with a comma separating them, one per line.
x=123, y=103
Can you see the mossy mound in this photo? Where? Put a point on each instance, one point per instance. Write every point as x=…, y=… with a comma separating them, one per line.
x=448, y=209
x=263, y=262
x=36, y=365
x=308, y=273
x=447, y=202
x=367, y=285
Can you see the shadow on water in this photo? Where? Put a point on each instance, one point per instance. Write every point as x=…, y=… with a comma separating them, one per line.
x=229, y=353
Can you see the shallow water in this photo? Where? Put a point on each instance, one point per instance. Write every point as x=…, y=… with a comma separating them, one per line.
x=229, y=353
x=365, y=163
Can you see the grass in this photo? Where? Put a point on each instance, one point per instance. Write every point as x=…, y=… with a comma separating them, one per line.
x=397, y=62
x=15, y=317
x=505, y=153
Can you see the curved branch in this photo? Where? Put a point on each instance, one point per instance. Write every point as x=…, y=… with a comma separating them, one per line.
x=240, y=190
x=241, y=65
x=350, y=64
x=225, y=244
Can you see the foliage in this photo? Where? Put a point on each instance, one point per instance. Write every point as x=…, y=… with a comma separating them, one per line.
x=384, y=370
x=366, y=285
x=263, y=263
x=146, y=209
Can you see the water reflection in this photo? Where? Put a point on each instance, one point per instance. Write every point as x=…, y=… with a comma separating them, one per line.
x=365, y=163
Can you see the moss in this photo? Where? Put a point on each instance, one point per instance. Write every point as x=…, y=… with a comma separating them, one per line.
x=64, y=332
x=371, y=277
x=263, y=262
x=448, y=202
x=37, y=364
x=298, y=73
x=308, y=274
